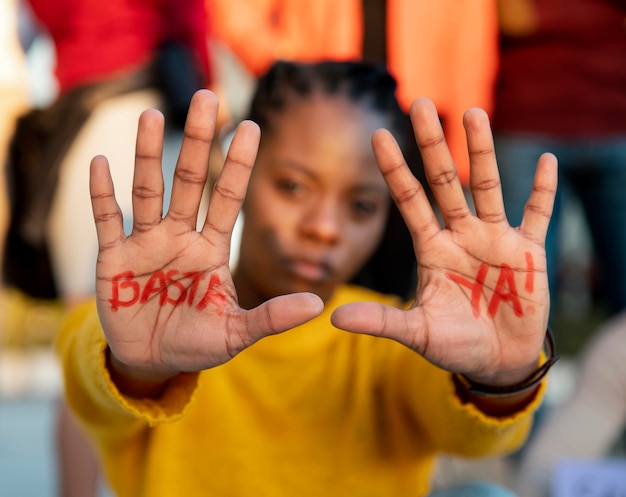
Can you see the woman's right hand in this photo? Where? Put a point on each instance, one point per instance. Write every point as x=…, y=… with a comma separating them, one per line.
x=165, y=295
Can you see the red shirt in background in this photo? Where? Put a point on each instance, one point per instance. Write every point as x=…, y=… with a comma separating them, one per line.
x=96, y=39
x=568, y=77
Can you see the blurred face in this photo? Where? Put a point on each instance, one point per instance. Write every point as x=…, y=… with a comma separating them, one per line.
x=317, y=204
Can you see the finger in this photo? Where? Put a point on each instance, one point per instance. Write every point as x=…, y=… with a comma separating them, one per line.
x=538, y=209
x=106, y=212
x=148, y=176
x=440, y=169
x=406, y=190
x=282, y=313
x=382, y=320
x=484, y=175
x=230, y=188
x=193, y=161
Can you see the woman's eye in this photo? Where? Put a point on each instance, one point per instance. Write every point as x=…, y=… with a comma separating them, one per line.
x=364, y=208
x=289, y=186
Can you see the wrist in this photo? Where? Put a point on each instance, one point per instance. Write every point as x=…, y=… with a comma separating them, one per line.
x=495, y=405
x=529, y=381
x=134, y=382
x=505, y=399
x=502, y=380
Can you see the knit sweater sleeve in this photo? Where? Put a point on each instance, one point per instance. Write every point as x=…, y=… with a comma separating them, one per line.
x=118, y=424
x=451, y=425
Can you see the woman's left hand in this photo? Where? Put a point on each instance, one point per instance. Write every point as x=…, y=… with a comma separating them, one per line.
x=482, y=299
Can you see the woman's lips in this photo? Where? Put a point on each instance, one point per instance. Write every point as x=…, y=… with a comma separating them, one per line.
x=309, y=270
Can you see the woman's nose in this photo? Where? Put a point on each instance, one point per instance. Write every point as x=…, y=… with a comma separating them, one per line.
x=323, y=221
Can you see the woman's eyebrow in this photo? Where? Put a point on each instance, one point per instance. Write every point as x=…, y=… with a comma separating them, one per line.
x=372, y=187
x=293, y=164
x=364, y=186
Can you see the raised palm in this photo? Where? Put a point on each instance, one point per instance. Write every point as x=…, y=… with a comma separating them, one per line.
x=482, y=301
x=165, y=295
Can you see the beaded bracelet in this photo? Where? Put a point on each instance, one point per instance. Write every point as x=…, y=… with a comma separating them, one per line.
x=532, y=381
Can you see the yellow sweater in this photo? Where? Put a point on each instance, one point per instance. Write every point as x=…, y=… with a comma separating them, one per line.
x=314, y=411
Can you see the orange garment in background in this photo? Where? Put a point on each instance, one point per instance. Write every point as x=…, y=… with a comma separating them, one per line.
x=262, y=31
x=446, y=50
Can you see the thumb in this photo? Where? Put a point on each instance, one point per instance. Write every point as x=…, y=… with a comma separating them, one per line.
x=282, y=313
x=377, y=319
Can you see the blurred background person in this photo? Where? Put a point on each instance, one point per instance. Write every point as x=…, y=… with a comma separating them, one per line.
x=135, y=42
x=112, y=61
x=562, y=88
x=13, y=101
x=445, y=50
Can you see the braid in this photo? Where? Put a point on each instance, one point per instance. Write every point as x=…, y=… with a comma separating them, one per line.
x=362, y=83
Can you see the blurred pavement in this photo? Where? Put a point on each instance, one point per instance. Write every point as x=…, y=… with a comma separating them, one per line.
x=30, y=384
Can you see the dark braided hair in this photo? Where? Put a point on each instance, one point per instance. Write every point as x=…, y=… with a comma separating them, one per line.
x=392, y=268
x=362, y=83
